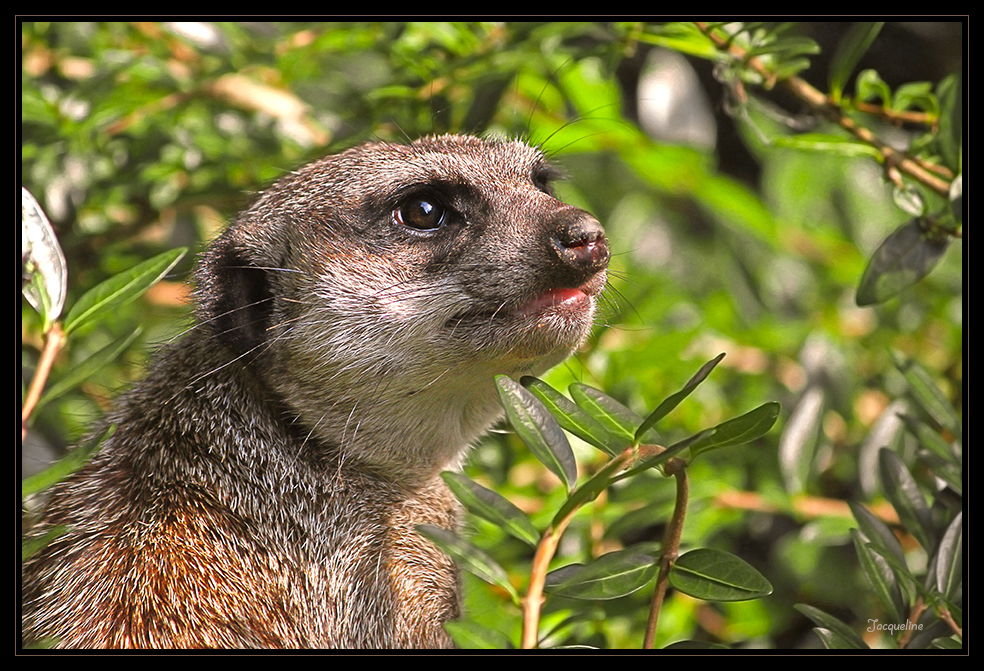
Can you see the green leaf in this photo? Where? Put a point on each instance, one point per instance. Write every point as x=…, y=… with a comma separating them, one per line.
x=849, y=51
x=611, y=576
x=876, y=531
x=87, y=368
x=538, y=429
x=714, y=575
x=917, y=95
x=827, y=144
x=832, y=624
x=798, y=441
x=71, y=462
x=746, y=428
x=121, y=289
x=33, y=544
x=695, y=645
x=573, y=419
x=833, y=641
x=469, y=557
x=950, y=136
x=925, y=392
x=901, y=490
x=492, y=507
x=906, y=256
x=881, y=577
x=870, y=86
x=949, y=559
x=472, y=636
x=612, y=415
x=664, y=408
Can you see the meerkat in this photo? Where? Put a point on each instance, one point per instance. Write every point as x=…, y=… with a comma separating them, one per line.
x=265, y=479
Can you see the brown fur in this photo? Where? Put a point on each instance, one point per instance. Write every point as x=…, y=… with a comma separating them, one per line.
x=265, y=480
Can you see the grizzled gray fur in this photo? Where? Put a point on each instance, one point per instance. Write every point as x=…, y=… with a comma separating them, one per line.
x=265, y=479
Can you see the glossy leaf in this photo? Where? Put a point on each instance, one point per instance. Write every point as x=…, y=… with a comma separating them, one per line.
x=832, y=624
x=573, y=419
x=611, y=576
x=714, y=575
x=851, y=48
x=832, y=640
x=949, y=559
x=743, y=429
x=469, y=557
x=798, y=441
x=120, y=289
x=492, y=507
x=612, y=415
x=538, y=429
x=904, y=257
x=901, y=490
x=664, y=408
x=881, y=577
x=925, y=392
x=876, y=531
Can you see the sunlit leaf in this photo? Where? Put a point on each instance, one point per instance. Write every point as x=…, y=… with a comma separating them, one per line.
x=612, y=415
x=798, y=442
x=664, y=408
x=904, y=257
x=492, y=507
x=472, y=636
x=743, y=429
x=120, y=289
x=715, y=575
x=573, y=419
x=469, y=557
x=538, y=429
x=611, y=576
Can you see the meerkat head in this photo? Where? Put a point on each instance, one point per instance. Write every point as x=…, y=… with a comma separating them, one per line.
x=390, y=283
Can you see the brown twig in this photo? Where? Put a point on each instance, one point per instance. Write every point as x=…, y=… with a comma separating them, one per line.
x=671, y=547
x=821, y=105
x=53, y=342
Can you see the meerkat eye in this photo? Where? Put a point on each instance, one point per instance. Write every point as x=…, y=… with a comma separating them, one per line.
x=422, y=213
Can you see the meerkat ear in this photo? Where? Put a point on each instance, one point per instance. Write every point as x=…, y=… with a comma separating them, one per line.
x=234, y=297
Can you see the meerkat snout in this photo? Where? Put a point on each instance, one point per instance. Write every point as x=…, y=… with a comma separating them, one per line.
x=265, y=479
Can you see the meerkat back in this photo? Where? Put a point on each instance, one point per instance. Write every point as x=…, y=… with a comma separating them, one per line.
x=265, y=479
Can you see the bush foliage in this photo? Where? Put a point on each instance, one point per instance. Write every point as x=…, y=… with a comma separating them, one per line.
x=817, y=243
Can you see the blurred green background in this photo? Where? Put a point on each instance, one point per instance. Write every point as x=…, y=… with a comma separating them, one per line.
x=141, y=137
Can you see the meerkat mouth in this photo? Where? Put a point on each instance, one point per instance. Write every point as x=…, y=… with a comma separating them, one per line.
x=572, y=302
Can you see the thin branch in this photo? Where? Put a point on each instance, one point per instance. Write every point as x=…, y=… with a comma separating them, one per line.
x=821, y=105
x=53, y=342
x=671, y=547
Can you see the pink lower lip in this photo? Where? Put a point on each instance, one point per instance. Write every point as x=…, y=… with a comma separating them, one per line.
x=550, y=299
